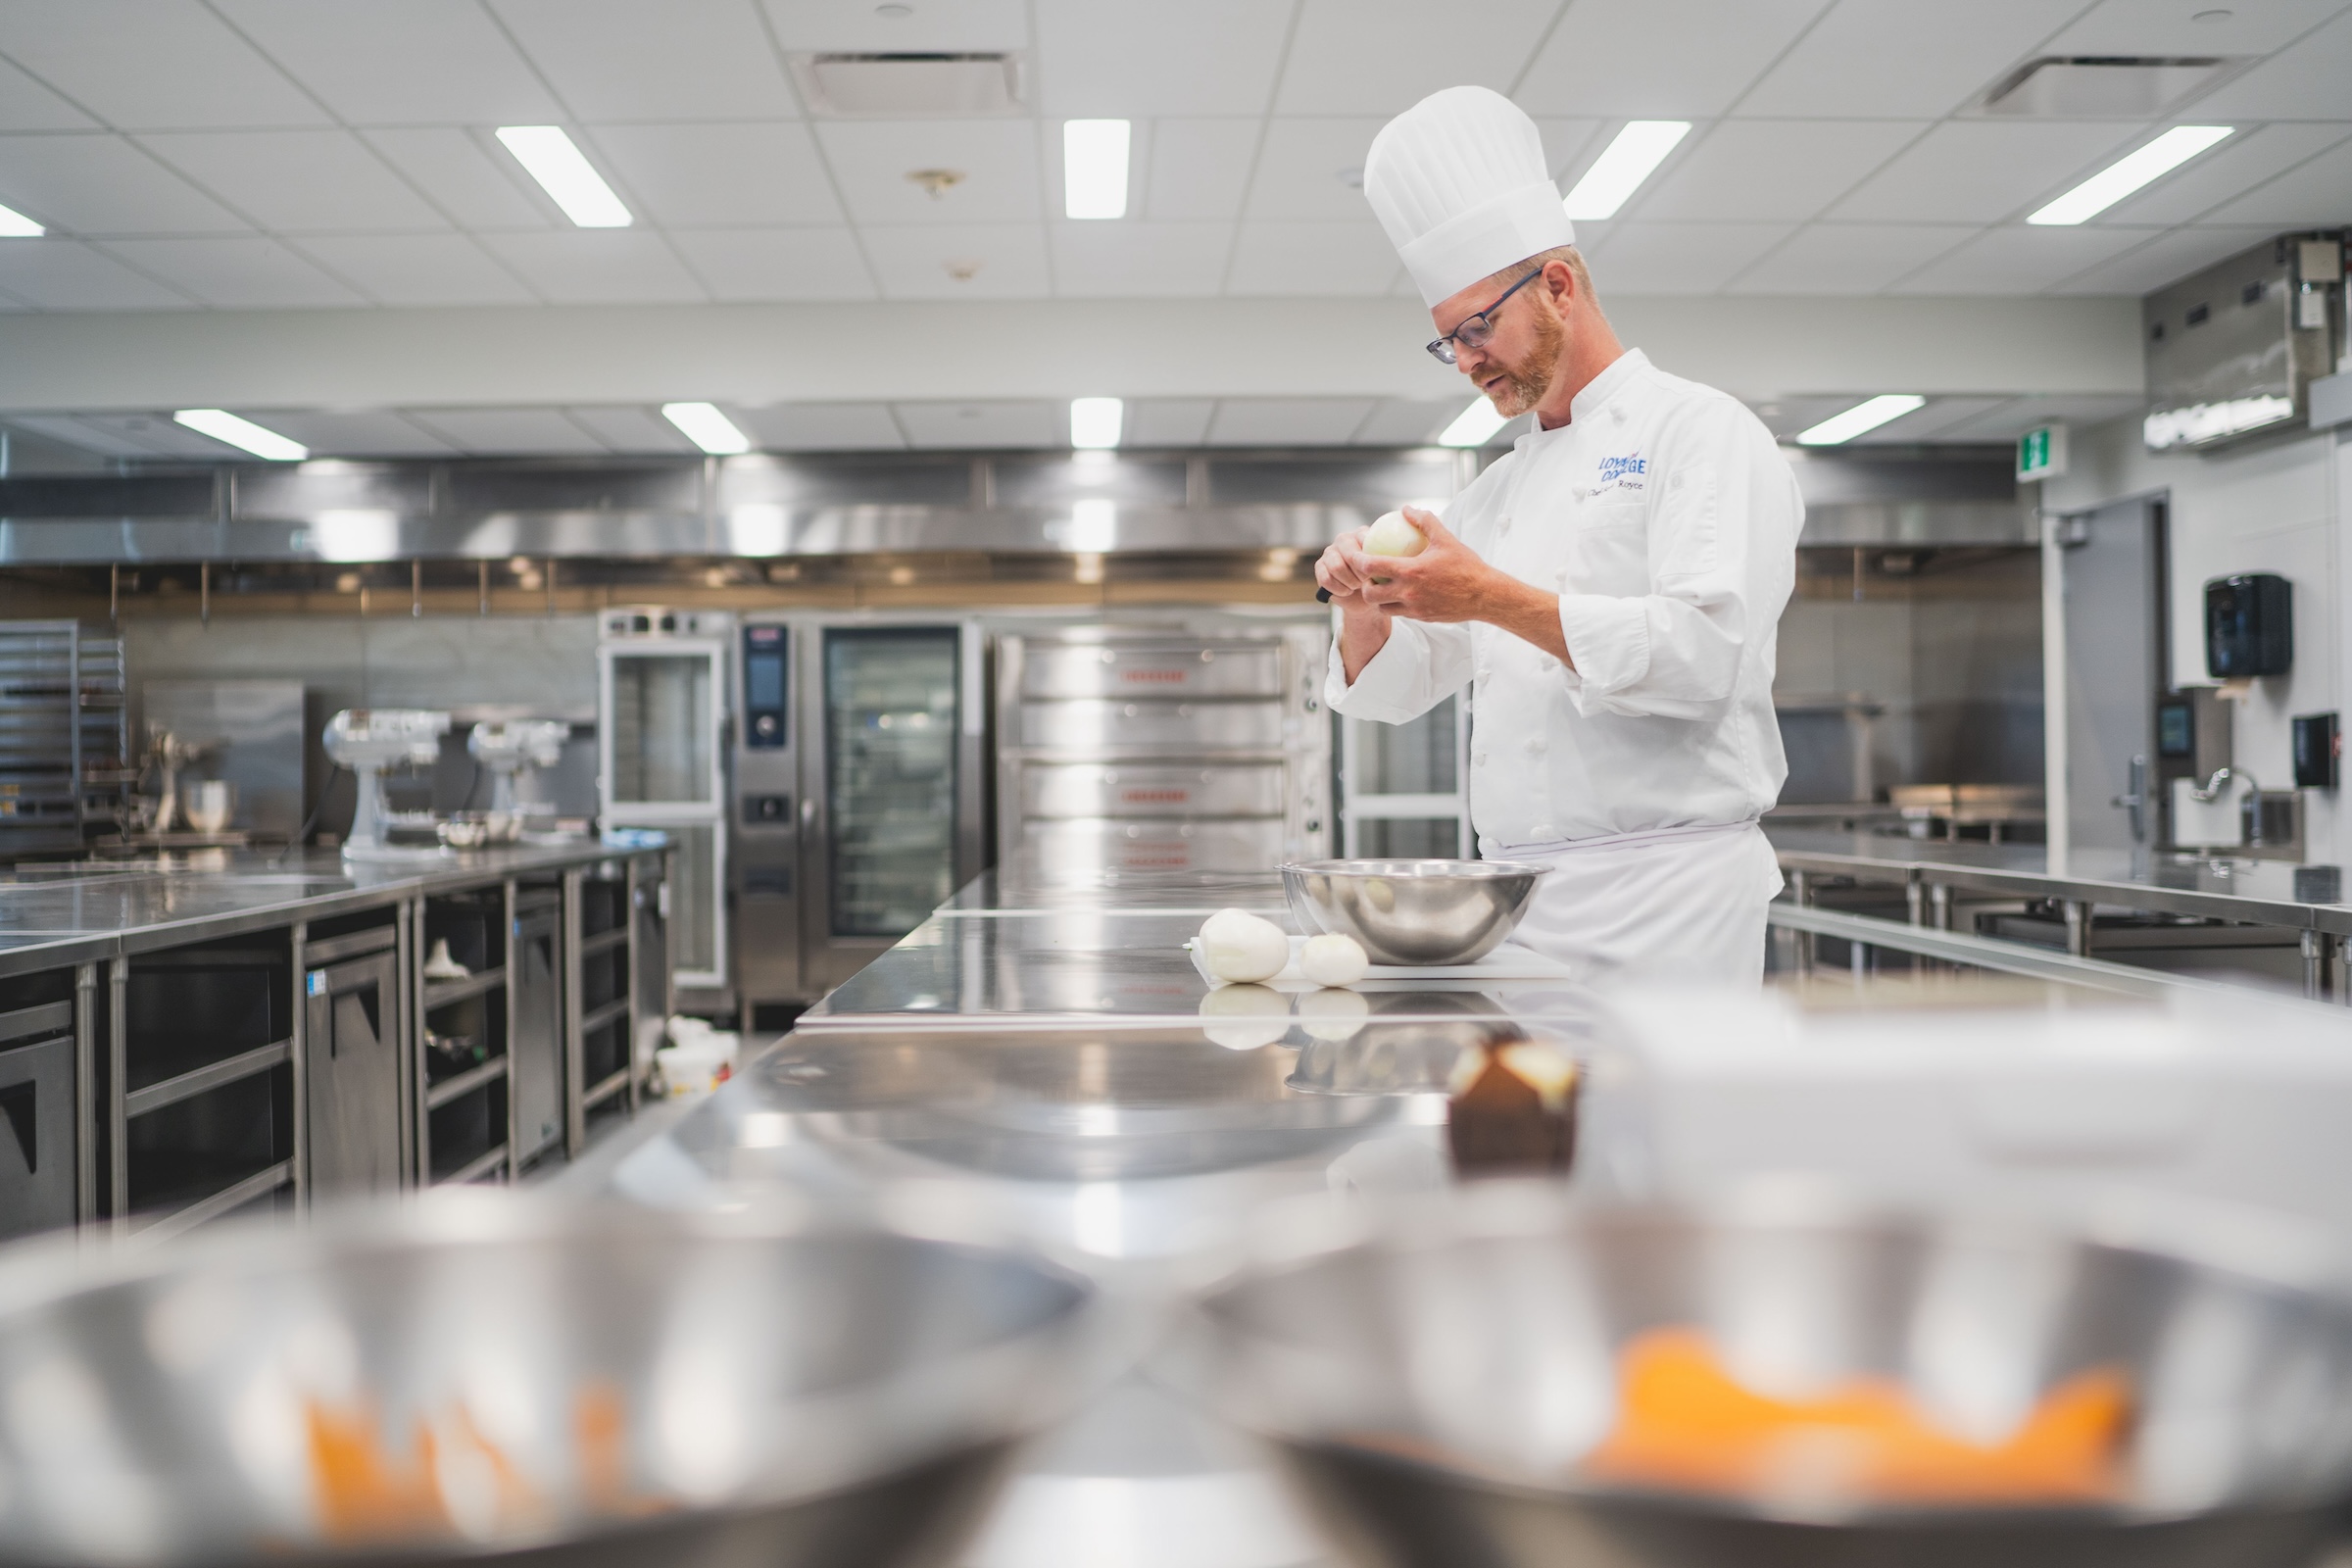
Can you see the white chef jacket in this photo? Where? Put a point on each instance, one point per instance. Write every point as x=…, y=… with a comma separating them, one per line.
x=1666, y=519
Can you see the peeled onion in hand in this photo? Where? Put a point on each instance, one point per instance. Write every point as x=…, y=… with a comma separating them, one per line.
x=1333, y=960
x=1239, y=947
x=1392, y=535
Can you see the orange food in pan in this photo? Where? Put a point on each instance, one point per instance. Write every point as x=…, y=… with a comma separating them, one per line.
x=1686, y=1423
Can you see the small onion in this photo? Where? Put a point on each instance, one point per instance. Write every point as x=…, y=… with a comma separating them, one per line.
x=1333, y=960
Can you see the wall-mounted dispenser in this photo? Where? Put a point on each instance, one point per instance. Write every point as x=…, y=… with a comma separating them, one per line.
x=2249, y=626
x=2318, y=746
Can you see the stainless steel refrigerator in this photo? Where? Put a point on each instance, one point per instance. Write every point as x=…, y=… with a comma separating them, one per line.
x=665, y=700
x=859, y=790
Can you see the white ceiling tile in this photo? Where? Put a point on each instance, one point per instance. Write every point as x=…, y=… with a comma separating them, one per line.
x=1982, y=170
x=462, y=175
x=2018, y=260
x=1680, y=258
x=1198, y=167
x=1762, y=169
x=1139, y=260
x=1167, y=422
x=1295, y=259
x=2190, y=26
x=1849, y=258
x=619, y=60
x=27, y=104
x=2016, y=416
x=246, y=272
x=103, y=185
x=351, y=433
x=932, y=24
x=1003, y=261
x=777, y=263
x=1408, y=422
x=142, y=63
x=1377, y=57
x=1569, y=143
x=629, y=428
x=1312, y=169
x=416, y=268
x=86, y=437
x=820, y=426
x=63, y=275
x=2164, y=261
x=2305, y=83
x=1901, y=58
x=598, y=267
x=1142, y=58
x=295, y=181
x=2317, y=192
x=1652, y=59
x=998, y=158
x=721, y=176
x=518, y=432
x=2230, y=171
x=949, y=426
x=1287, y=421
x=158, y=435
x=400, y=62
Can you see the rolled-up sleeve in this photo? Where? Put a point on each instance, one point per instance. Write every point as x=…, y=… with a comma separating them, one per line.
x=1419, y=666
x=1722, y=552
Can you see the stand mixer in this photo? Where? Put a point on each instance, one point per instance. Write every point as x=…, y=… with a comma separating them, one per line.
x=510, y=749
x=371, y=741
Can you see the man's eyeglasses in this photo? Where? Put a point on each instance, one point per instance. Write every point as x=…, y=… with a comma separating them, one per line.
x=1479, y=329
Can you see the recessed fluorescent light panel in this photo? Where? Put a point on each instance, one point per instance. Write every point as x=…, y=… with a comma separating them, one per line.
x=244, y=434
x=16, y=226
x=2130, y=172
x=1860, y=419
x=1094, y=168
x=706, y=428
x=1095, y=422
x=1474, y=427
x=550, y=158
x=1640, y=148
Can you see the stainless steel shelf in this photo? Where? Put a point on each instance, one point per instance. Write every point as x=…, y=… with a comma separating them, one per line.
x=474, y=1169
x=604, y=941
x=464, y=1083
x=26, y=1023
x=212, y=1075
x=441, y=992
x=233, y=1197
x=600, y=1092
x=597, y=1019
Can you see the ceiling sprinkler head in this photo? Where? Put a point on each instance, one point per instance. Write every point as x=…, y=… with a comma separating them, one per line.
x=1353, y=176
x=961, y=270
x=937, y=181
x=893, y=12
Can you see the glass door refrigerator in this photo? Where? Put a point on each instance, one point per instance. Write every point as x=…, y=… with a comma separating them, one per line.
x=892, y=765
x=664, y=700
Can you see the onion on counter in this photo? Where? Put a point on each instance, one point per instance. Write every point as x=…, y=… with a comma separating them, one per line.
x=1333, y=960
x=1242, y=947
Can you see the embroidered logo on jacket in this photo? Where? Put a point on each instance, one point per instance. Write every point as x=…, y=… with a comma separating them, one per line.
x=1621, y=473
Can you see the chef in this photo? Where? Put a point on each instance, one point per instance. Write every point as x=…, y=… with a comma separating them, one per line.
x=1605, y=596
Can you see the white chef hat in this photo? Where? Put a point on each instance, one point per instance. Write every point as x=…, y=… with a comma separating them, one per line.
x=1459, y=182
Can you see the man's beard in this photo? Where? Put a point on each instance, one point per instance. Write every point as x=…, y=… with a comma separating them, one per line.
x=1524, y=385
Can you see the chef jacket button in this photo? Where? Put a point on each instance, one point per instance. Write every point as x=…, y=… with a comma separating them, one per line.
x=1548, y=664
x=1534, y=745
x=1580, y=491
x=1485, y=674
x=1545, y=830
x=1478, y=759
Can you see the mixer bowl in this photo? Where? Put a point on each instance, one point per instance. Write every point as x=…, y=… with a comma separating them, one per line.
x=1414, y=911
x=1435, y=1384
x=507, y=1380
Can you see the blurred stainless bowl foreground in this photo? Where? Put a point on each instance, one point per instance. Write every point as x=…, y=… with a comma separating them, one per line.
x=1414, y=911
x=1432, y=1382
x=510, y=1382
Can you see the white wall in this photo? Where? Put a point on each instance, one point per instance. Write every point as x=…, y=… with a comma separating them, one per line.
x=2274, y=507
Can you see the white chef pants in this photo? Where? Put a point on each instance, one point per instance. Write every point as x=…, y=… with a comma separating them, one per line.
x=1678, y=905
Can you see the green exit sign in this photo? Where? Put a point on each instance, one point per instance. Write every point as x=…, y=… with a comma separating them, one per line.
x=2041, y=453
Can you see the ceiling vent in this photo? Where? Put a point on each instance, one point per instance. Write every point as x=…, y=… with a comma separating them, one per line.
x=910, y=86
x=2102, y=86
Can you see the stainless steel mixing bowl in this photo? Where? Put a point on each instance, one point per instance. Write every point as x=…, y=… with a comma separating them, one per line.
x=505, y=1381
x=1414, y=911
x=1432, y=1385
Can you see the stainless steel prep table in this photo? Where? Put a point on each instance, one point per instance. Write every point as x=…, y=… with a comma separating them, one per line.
x=235, y=959
x=2308, y=900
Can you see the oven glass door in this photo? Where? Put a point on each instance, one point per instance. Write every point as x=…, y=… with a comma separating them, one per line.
x=890, y=776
